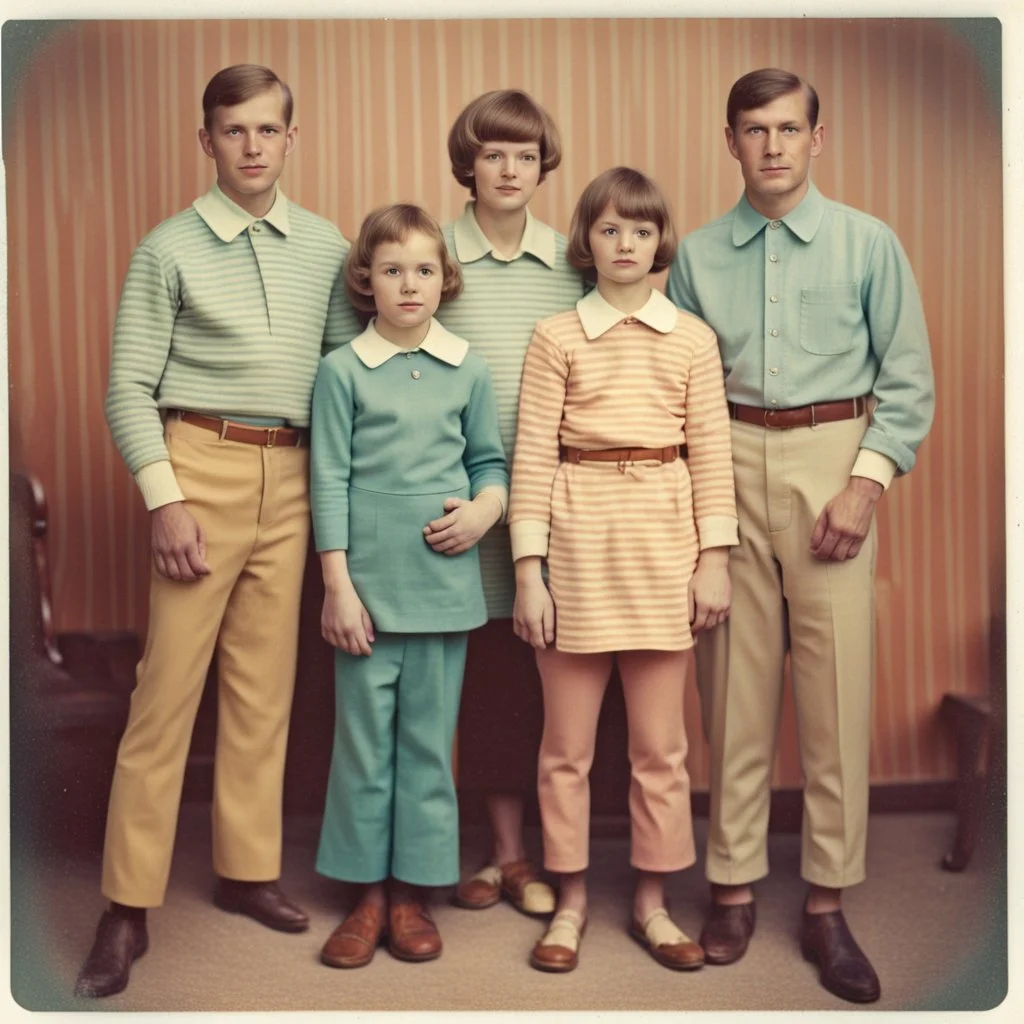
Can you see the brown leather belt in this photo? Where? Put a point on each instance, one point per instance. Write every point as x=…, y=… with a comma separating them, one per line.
x=623, y=455
x=803, y=416
x=247, y=433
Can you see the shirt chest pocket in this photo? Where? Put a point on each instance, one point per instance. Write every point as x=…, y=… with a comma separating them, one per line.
x=830, y=318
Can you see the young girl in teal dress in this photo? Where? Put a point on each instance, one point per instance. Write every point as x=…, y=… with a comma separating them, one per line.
x=405, y=447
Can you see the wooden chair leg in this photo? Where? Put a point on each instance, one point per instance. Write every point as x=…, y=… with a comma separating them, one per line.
x=968, y=719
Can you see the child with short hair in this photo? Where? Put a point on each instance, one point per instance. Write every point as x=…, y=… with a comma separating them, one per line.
x=502, y=146
x=405, y=430
x=622, y=481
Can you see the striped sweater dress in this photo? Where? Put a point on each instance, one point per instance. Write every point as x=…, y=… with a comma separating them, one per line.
x=622, y=541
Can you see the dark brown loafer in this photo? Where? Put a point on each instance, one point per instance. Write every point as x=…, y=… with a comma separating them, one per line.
x=355, y=940
x=412, y=934
x=119, y=942
x=727, y=932
x=845, y=971
x=263, y=902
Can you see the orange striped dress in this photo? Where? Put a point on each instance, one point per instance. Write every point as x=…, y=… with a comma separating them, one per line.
x=622, y=542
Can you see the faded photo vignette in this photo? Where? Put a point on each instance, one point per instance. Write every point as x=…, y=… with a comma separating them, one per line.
x=19, y=931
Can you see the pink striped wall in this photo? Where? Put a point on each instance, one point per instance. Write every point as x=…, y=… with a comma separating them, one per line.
x=100, y=146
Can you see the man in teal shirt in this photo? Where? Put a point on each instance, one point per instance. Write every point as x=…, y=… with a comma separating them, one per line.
x=830, y=389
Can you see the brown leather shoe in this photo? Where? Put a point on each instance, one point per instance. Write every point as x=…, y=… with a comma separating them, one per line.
x=262, y=901
x=558, y=951
x=523, y=887
x=519, y=882
x=670, y=946
x=355, y=940
x=727, y=932
x=412, y=934
x=480, y=891
x=120, y=941
x=845, y=971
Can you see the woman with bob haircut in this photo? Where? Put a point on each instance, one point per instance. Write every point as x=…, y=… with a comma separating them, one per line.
x=622, y=481
x=502, y=146
x=405, y=430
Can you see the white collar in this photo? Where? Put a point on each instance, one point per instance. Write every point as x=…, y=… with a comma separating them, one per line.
x=597, y=315
x=227, y=220
x=471, y=244
x=374, y=350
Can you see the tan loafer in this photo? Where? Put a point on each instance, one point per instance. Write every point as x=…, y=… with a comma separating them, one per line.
x=355, y=940
x=559, y=949
x=670, y=946
x=523, y=887
x=480, y=891
x=519, y=882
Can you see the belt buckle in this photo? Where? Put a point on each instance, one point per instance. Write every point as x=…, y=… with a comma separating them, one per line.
x=767, y=413
x=271, y=436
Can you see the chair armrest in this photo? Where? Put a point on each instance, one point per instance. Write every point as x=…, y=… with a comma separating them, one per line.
x=101, y=661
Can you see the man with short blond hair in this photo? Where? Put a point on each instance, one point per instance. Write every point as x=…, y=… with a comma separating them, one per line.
x=830, y=389
x=226, y=310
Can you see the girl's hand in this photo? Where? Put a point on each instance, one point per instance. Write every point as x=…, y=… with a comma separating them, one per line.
x=533, y=615
x=345, y=623
x=465, y=523
x=710, y=590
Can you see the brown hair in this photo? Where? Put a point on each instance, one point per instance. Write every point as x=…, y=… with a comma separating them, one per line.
x=393, y=223
x=503, y=115
x=238, y=83
x=758, y=88
x=633, y=195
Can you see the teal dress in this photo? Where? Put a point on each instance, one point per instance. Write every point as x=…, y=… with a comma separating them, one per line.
x=394, y=434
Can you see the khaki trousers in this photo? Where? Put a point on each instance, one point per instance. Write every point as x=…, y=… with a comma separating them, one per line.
x=253, y=504
x=659, y=792
x=823, y=614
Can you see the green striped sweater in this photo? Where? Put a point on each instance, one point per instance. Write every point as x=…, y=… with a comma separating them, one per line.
x=225, y=314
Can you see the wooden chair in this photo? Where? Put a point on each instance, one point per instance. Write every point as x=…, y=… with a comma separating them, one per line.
x=977, y=723
x=69, y=694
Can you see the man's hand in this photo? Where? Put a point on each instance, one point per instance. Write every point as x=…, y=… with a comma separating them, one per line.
x=844, y=522
x=345, y=622
x=464, y=524
x=178, y=542
x=710, y=593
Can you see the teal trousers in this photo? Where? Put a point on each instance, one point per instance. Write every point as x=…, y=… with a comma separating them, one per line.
x=391, y=806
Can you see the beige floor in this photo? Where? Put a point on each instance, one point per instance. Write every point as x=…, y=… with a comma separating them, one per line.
x=936, y=939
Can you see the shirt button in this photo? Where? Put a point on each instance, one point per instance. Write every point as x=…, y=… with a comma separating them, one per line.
x=408, y=355
x=256, y=229
x=630, y=320
x=773, y=403
x=773, y=258
x=774, y=332
x=415, y=374
x=773, y=371
x=774, y=298
x=773, y=224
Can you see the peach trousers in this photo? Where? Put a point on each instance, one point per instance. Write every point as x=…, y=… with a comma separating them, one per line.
x=659, y=792
x=253, y=504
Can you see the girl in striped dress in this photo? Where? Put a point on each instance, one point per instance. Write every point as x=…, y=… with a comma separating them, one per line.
x=622, y=481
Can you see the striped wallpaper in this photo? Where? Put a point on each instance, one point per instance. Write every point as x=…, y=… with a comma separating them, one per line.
x=100, y=146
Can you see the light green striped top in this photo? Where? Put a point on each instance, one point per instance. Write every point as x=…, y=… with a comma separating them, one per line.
x=225, y=313
x=499, y=306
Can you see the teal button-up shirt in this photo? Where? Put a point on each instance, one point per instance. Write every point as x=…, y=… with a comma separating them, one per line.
x=816, y=307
